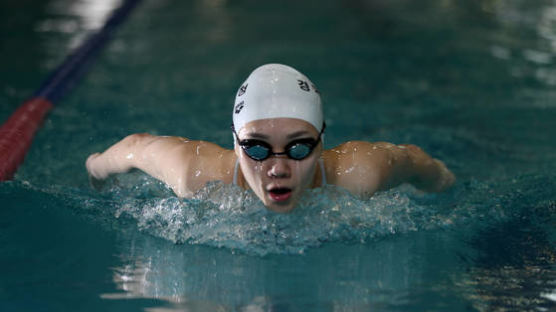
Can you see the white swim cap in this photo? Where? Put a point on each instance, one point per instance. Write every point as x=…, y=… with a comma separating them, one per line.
x=277, y=91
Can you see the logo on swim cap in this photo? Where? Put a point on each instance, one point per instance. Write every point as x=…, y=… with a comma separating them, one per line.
x=303, y=85
x=242, y=90
x=277, y=91
x=239, y=107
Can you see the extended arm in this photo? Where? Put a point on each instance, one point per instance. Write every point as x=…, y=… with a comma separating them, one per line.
x=410, y=164
x=154, y=155
x=364, y=168
x=183, y=165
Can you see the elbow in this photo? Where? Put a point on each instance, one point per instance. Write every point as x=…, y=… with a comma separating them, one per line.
x=136, y=139
x=130, y=149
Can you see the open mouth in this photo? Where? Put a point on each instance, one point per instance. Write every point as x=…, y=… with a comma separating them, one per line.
x=280, y=194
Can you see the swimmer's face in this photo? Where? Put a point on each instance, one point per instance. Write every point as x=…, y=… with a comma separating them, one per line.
x=278, y=180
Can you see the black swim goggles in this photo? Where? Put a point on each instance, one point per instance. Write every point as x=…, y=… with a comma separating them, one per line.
x=260, y=150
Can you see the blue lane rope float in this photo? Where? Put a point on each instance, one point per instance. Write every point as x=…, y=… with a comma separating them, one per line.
x=17, y=132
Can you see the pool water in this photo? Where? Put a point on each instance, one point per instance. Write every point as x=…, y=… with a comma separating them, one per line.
x=471, y=82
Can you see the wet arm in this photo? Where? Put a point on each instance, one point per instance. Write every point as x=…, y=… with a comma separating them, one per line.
x=160, y=157
x=410, y=164
x=364, y=168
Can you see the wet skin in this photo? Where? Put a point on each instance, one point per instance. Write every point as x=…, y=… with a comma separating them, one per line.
x=278, y=180
x=360, y=167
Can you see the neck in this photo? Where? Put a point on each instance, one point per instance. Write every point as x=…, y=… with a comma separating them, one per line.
x=241, y=182
x=317, y=177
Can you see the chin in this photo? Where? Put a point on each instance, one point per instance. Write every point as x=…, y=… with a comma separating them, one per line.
x=280, y=208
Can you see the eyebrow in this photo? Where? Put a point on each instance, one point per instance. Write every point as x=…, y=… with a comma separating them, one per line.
x=256, y=135
x=297, y=134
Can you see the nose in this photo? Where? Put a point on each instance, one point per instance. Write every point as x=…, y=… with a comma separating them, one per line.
x=279, y=168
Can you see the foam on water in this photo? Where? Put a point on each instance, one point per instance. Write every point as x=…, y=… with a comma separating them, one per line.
x=223, y=215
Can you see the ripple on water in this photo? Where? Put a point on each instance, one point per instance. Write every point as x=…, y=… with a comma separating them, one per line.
x=225, y=216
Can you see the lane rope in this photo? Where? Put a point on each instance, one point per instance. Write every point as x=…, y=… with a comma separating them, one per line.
x=17, y=133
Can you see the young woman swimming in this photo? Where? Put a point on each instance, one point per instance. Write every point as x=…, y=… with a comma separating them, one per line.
x=278, y=152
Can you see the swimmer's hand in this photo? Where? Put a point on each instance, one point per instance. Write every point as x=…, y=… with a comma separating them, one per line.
x=431, y=174
x=439, y=179
x=94, y=168
x=96, y=179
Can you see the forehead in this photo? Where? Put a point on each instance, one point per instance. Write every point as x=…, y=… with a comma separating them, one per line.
x=277, y=127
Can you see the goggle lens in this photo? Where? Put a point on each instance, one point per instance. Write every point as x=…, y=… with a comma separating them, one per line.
x=260, y=150
x=299, y=151
x=256, y=152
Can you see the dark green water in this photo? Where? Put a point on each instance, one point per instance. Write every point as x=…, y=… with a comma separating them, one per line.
x=472, y=83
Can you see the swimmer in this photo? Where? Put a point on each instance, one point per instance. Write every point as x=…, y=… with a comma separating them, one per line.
x=278, y=153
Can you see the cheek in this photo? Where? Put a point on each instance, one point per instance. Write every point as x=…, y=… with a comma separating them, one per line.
x=254, y=167
x=304, y=171
x=252, y=170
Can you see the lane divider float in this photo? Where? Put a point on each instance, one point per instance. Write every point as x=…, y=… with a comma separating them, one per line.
x=17, y=133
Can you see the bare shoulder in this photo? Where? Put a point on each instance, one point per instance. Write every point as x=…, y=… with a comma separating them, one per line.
x=200, y=161
x=186, y=165
x=366, y=167
x=362, y=167
x=208, y=161
x=351, y=166
x=359, y=153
